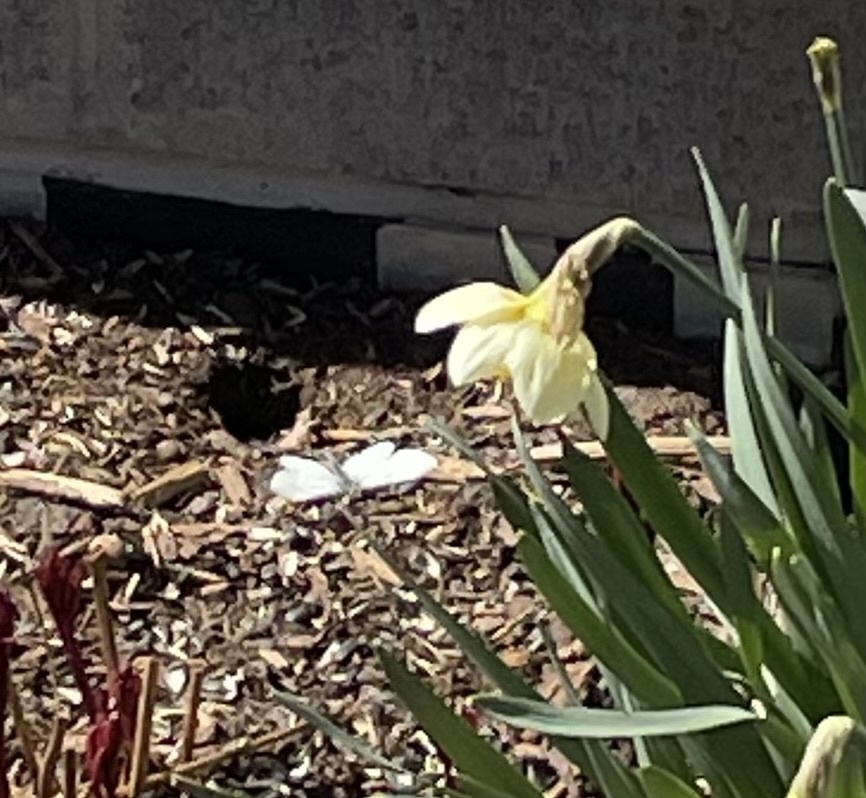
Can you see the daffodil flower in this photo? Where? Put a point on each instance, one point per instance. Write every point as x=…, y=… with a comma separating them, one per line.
x=536, y=340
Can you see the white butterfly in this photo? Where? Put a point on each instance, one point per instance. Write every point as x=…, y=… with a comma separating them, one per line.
x=300, y=479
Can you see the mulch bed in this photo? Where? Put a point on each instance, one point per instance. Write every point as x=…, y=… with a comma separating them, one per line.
x=120, y=367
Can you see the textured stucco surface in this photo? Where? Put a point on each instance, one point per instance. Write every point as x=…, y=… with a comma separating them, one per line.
x=590, y=105
x=410, y=257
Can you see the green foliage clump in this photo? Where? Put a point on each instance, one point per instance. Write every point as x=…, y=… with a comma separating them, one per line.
x=778, y=707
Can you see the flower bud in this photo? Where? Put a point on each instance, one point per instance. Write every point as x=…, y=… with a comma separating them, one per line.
x=826, y=75
x=834, y=763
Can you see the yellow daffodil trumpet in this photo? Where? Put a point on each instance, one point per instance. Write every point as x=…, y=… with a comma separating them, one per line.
x=536, y=341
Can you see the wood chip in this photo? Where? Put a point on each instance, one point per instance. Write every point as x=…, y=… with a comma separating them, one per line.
x=57, y=486
x=370, y=563
x=274, y=658
x=662, y=445
x=458, y=469
x=363, y=435
x=233, y=483
x=298, y=436
x=202, y=335
x=481, y=412
x=158, y=540
x=186, y=478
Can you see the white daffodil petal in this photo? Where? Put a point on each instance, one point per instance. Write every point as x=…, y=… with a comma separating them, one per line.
x=597, y=407
x=476, y=302
x=549, y=380
x=479, y=352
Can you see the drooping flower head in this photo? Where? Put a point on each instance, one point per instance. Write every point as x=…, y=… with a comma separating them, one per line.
x=536, y=341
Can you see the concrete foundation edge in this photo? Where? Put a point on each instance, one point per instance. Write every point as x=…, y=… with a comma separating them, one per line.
x=419, y=248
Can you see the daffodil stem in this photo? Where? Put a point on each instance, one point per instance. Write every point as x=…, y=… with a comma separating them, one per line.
x=668, y=256
x=840, y=147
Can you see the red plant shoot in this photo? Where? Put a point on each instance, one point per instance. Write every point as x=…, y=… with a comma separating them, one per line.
x=8, y=616
x=113, y=732
x=60, y=579
x=102, y=755
x=111, y=710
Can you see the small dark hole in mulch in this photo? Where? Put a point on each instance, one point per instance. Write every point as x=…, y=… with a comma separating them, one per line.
x=248, y=403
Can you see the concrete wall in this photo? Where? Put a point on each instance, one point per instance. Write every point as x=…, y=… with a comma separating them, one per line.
x=587, y=106
x=549, y=116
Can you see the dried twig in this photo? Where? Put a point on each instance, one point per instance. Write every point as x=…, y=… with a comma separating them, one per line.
x=70, y=773
x=23, y=731
x=190, y=719
x=38, y=251
x=143, y=725
x=46, y=783
x=103, y=613
x=242, y=745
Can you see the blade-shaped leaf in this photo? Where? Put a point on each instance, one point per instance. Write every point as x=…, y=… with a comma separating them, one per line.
x=657, y=493
x=659, y=783
x=591, y=756
x=843, y=569
x=853, y=429
x=610, y=723
x=844, y=212
x=470, y=753
x=730, y=265
x=847, y=233
x=603, y=640
x=525, y=276
x=818, y=618
x=616, y=523
x=763, y=533
x=760, y=527
x=741, y=232
x=745, y=449
x=339, y=735
x=572, y=569
x=784, y=743
x=857, y=410
x=674, y=646
x=815, y=433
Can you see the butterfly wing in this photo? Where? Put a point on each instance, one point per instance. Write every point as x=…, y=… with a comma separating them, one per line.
x=300, y=479
x=368, y=461
x=402, y=467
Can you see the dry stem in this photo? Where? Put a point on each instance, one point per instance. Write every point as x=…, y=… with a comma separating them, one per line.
x=143, y=725
x=190, y=720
